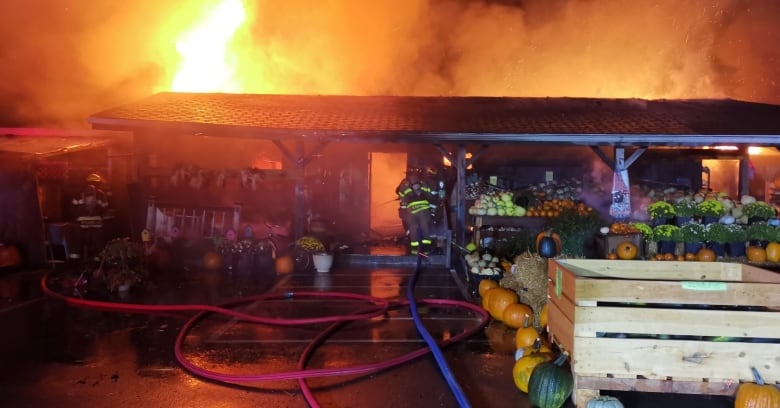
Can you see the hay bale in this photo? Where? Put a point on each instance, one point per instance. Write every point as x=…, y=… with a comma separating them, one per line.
x=529, y=279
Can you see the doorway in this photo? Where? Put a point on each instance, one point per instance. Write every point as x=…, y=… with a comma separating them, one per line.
x=387, y=170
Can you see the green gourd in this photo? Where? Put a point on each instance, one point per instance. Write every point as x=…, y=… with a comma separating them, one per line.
x=550, y=384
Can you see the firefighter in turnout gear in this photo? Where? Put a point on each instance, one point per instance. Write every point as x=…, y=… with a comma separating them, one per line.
x=415, y=197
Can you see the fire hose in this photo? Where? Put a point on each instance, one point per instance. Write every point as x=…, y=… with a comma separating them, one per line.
x=376, y=307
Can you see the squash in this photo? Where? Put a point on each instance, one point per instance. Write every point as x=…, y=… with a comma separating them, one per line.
x=626, y=250
x=773, y=252
x=758, y=395
x=516, y=314
x=284, y=265
x=604, y=401
x=524, y=367
x=550, y=384
x=756, y=254
x=548, y=244
x=705, y=255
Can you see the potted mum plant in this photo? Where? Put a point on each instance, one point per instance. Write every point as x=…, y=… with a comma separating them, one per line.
x=684, y=210
x=660, y=212
x=736, y=240
x=716, y=236
x=692, y=235
x=322, y=259
x=758, y=211
x=710, y=210
x=760, y=233
x=666, y=235
x=121, y=265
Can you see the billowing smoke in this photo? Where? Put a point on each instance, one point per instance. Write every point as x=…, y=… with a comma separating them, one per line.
x=63, y=60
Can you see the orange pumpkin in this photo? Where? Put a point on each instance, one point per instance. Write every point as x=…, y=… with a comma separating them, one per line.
x=500, y=298
x=515, y=315
x=486, y=284
x=284, y=264
x=690, y=256
x=773, y=252
x=526, y=336
x=668, y=257
x=705, y=255
x=612, y=256
x=758, y=395
x=524, y=366
x=626, y=250
x=756, y=254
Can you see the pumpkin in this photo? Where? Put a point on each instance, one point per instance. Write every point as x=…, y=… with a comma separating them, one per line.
x=756, y=254
x=526, y=336
x=604, y=401
x=9, y=256
x=524, y=367
x=773, y=252
x=548, y=244
x=516, y=314
x=486, y=284
x=550, y=384
x=626, y=250
x=690, y=256
x=284, y=264
x=212, y=261
x=500, y=298
x=705, y=255
x=758, y=395
x=612, y=256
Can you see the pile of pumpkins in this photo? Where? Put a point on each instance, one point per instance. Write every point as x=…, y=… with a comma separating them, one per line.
x=537, y=370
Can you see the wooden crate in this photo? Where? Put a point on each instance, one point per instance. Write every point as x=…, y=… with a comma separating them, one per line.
x=651, y=325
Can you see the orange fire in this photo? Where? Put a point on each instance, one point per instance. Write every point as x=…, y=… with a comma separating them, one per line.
x=208, y=62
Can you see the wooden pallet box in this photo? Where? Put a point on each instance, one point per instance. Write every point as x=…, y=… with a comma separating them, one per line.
x=659, y=326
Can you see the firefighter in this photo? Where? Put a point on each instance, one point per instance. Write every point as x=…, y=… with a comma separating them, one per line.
x=415, y=197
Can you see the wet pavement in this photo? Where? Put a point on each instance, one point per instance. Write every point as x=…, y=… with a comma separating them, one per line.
x=58, y=355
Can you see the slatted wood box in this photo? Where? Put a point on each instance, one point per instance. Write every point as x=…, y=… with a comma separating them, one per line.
x=652, y=325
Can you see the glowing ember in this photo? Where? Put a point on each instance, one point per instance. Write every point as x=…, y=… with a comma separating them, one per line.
x=207, y=63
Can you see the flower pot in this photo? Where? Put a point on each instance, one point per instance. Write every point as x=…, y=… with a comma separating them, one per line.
x=709, y=219
x=693, y=247
x=666, y=247
x=718, y=248
x=735, y=249
x=682, y=220
x=659, y=221
x=322, y=262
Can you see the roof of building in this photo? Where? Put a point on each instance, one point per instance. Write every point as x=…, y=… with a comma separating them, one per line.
x=404, y=119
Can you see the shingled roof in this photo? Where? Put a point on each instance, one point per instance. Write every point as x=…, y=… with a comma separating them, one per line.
x=580, y=121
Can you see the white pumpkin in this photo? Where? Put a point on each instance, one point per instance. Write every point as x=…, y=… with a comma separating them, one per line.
x=604, y=401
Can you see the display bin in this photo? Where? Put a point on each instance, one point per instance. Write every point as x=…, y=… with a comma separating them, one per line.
x=670, y=327
x=607, y=243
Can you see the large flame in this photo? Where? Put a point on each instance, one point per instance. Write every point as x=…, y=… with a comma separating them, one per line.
x=208, y=63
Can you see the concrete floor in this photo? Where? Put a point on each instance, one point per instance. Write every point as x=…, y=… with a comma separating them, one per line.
x=57, y=355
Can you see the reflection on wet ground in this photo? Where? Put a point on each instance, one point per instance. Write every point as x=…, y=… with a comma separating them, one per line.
x=58, y=355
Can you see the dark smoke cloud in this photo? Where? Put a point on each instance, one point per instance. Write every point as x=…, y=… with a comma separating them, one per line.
x=63, y=60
